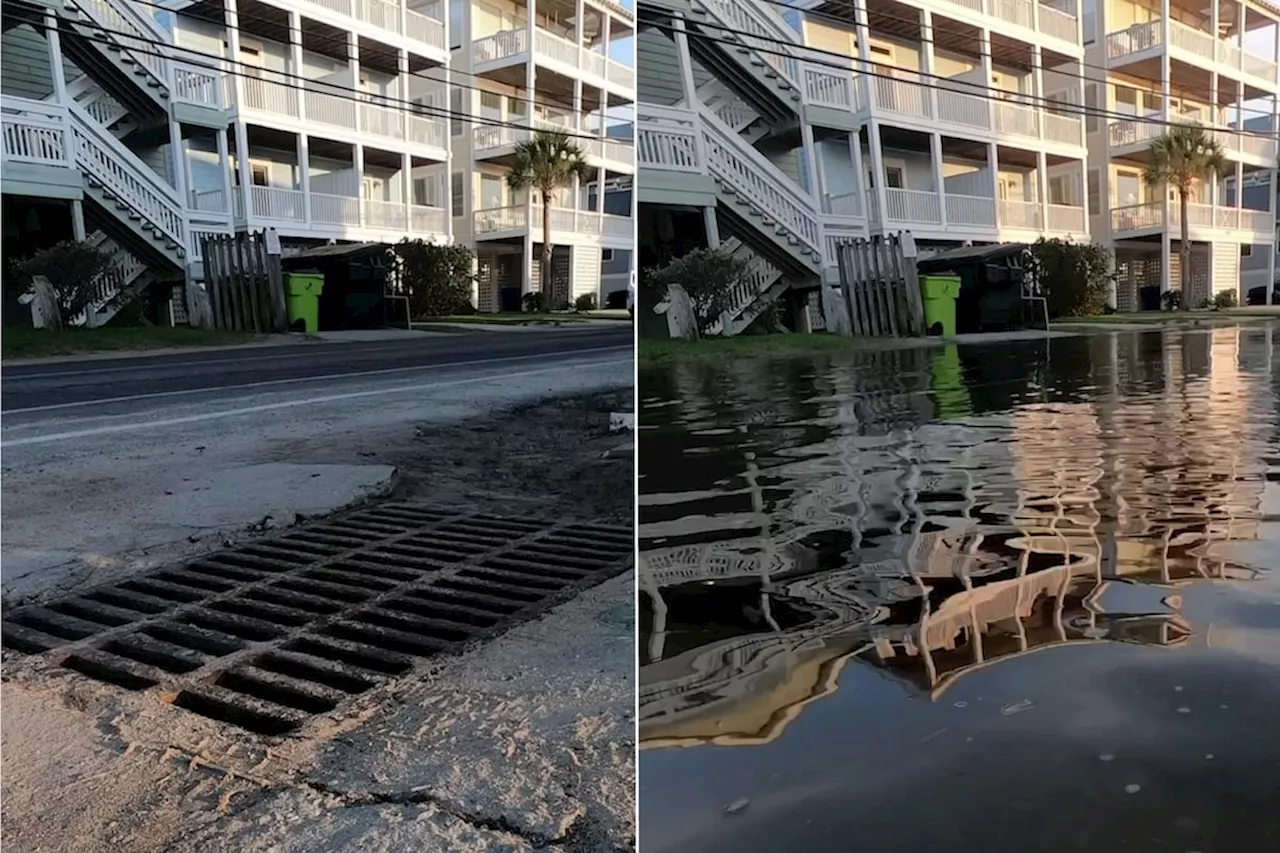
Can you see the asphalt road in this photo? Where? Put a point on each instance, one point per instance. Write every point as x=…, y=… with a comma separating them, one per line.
x=125, y=382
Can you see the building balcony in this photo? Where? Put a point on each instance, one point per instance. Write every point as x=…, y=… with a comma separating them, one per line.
x=1148, y=41
x=1132, y=138
x=954, y=216
x=318, y=113
x=908, y=100
x=1206, y=222
x=1058, y=19
x=497, y=143
x=300, y=213
x=494, y=54
x=419, y=29
x=569, y=226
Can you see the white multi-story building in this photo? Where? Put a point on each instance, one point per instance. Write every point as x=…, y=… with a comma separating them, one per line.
x=781, y=128
x=959, y=121
x=153, y=124
x=1213, y=64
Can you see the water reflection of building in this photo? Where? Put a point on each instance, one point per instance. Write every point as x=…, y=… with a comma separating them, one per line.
x=972, y=543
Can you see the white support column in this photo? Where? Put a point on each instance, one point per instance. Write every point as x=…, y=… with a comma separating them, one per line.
x=526, y=286
x=1037, y=83
x=985, y=58
x=1166, y=261
x=224, y=158
x=1042, y=189
x=53, y=40
x=686, y=63
x=820, y=175
x=181, y=177
x=1215, y=180
x=859, y=172
x=993, y=157
x=358, y=166
x=295, y=61
x=78, y=233
x=406, y=181
x=304, y=173
x=712, y=226
x=241, y=131
x=353, y=66
x=928, y=59
x=811, y=156
x=402, y=90
x=939, y=177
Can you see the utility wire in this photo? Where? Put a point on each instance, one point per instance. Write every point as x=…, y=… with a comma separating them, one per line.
x=991, y=93
x=331, y=89
x=340, y=39
x=987, y=41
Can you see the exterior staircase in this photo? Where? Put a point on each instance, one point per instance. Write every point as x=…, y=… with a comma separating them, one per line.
x=128, y=275
x=117, y=42
x=743, y=41
x=764, y=284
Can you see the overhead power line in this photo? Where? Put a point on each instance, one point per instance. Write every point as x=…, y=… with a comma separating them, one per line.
x=340, y=40
x=988, y=42
x=332, y=89
x=849, y=64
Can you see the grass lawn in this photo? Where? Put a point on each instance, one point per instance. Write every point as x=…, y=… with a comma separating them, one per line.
x=17, y=342
x=657, y=352
x=1228, y=315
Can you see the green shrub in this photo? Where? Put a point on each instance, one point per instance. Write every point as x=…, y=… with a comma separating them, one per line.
x=1171, y=300
x=439, y=277
x=585, y=302
x=532, y=302
x=1075, y=278
x=1225, y=299
x=75, y=272
x=710, y=276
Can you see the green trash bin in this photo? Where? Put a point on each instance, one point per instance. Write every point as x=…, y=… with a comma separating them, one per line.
x=939, y=293
x=302, y=290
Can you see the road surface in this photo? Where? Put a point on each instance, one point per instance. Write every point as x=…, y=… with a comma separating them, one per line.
x=113, y=465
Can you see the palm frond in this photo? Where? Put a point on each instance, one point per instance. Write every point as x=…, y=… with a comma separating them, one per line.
x=1182, y=155
x=548, y=161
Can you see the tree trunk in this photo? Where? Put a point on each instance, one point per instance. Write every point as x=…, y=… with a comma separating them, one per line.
x=546, y=254
x=1184, y=251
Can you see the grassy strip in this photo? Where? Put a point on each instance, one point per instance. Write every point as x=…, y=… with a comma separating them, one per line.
x=1156, y=318
x=18, y=342
x=656, y=352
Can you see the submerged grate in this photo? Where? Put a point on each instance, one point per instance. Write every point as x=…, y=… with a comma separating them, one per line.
x=269, y=634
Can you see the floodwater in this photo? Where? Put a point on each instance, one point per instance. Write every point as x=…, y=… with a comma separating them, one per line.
x=1017, y=597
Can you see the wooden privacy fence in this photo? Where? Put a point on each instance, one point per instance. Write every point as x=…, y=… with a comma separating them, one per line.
x=880, y=288
x=244, y=287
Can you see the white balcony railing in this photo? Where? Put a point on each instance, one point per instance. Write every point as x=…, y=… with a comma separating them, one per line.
x=843, y=204
x=1016, y=213
x=382, y=121
x=759, y=27
x=829, y=88
x=1134, y=39
x=1018, y=120
x=495, y=219
x=1066, y=219
x=327, y=209
x=193, y=86
x=425, y=24
x=278, y=203
x=35, y=132
x=1199, y=44
x=1136, y=217
x=428, y=131
x=1068, y=130
x=912, y=206
x=564, y=220
x=389, y=215
x=960, y=108
x=1056, y=23
x=331, y=110
x=424, y=28
x=971, y=210
x=269, y=96
x=427, y=220
x=508, y=43
x=667, y=139
x=209, y=201
x=904, y=96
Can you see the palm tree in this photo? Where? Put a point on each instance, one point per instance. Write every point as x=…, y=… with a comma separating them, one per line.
x=1178, y=158
x=547, y=161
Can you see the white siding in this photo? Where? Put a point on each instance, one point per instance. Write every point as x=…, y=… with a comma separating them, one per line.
x=586, y=271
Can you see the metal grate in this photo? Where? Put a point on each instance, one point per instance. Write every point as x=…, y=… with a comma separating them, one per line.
x=266, y=635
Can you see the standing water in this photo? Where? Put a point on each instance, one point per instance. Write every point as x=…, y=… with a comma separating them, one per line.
x=1011, y=597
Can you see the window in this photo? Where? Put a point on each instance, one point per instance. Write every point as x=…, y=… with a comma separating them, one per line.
x=1246, y=250
x=606, y=256
x=1091, y=107
x=1095, y=205
x=1128, y=188
x=456, y=193
x=1060, y=189
x=260, y=174
x=893, y=177
x=491, y=191
x=456, y=110
x=422, y=194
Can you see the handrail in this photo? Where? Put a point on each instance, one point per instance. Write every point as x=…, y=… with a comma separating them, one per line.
x=133, y=182
x=118, y=17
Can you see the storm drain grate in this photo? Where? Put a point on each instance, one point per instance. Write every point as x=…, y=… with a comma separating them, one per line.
x=269, y=634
